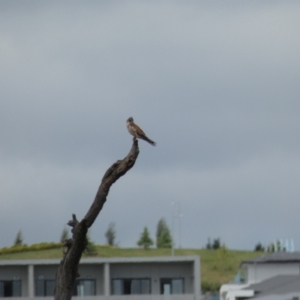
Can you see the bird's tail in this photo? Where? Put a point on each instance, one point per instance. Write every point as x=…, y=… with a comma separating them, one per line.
x=148, y=140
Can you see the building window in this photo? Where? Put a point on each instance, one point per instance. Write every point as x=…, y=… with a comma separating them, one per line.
x=10, y=288
x=85, y=287
x=131, y=286
x=171, y=286
x=44, y=287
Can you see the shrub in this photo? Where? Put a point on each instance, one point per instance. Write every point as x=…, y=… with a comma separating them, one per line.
x=33, y=247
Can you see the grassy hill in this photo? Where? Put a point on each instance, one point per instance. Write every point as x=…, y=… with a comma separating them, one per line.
x=217, y=266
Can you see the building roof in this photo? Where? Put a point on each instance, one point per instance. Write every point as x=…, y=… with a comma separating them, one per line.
x=98, y=260
x=278, y=285
x=289, y=296
x=276, y=257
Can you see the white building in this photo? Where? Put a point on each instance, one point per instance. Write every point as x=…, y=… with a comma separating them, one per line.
x=261, y=274
x=148, y=278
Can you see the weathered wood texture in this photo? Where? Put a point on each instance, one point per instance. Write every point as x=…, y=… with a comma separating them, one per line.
x=68, y=269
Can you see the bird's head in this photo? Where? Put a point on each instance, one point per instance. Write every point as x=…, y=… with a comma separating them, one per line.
x=130, y=120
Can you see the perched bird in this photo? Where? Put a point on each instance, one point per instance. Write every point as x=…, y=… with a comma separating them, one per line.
x=137, y=132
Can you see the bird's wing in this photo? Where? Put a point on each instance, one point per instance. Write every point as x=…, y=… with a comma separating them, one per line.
x=139, y=131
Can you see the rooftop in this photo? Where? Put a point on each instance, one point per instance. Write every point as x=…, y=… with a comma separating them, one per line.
x=97, y=260
x=275, y=286
x=276, y=257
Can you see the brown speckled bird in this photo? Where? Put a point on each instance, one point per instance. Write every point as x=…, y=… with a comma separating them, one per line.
x=137, y=132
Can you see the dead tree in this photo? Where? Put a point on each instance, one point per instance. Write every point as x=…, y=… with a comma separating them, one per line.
x=68, y=269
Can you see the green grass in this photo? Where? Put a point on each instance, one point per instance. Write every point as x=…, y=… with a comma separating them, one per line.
x=217, y=266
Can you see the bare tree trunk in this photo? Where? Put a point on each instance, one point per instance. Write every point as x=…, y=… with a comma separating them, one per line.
x=68, y=269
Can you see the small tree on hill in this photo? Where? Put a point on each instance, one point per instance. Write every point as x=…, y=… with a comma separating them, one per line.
x=145, y=240
x=163, y=235
x=259, y=247
x=208, y=245
x=165, y=239
x=90, y=248
x=19, y=239
x=110, y=234
x=161, y=225
x=216, y=244
x=64, y=235
x=276, y=247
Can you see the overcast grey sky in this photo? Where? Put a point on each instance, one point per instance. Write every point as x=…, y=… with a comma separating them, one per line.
x=215, y=83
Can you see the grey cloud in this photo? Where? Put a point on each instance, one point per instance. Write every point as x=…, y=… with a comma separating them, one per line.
x=214, y=84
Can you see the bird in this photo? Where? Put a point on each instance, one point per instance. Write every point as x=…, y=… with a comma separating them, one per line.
x=137, y=132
